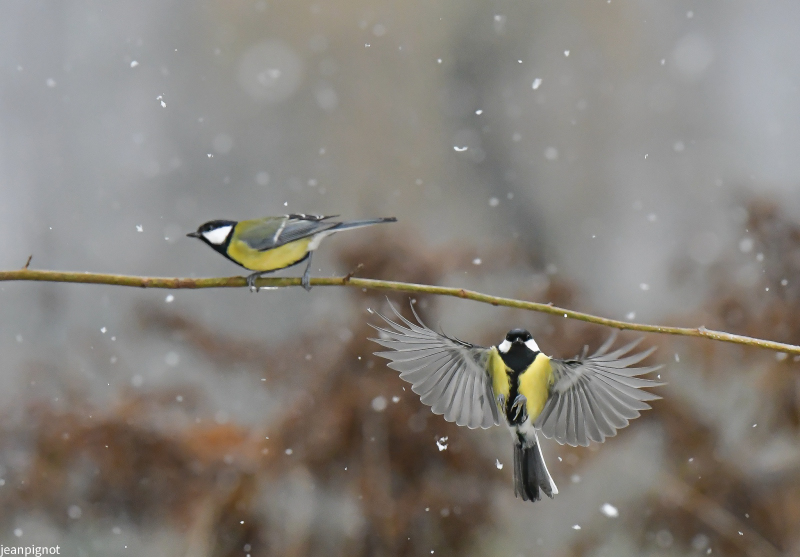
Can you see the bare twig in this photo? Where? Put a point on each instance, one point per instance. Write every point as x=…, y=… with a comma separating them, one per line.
x=372, y=284
x=28, y=262
x=353, y=273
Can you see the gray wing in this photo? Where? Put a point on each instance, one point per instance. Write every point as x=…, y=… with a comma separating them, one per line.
x=272, y=232
x=591, y=398
x=449, y=375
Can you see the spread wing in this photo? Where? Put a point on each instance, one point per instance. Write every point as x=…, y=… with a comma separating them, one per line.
x=272, y=232
x=451, y=376
x=591, y=398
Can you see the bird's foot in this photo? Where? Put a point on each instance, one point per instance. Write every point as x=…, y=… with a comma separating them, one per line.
x=519, y=408
x=251, y=281
x=304, y=282
x=501, y=402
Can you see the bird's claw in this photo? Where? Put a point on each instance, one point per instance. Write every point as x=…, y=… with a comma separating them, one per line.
x=304, y=282
x=519, y=408
x=501, y=402
x=251, y=281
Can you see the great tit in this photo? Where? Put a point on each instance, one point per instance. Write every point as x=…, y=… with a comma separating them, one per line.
x=573, y=401
x=272, y=243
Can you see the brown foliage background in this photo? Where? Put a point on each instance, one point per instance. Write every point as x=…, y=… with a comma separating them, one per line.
x=349, y=462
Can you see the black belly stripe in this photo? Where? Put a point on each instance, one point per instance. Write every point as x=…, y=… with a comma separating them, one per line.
x=513, y=379
x=518, y=359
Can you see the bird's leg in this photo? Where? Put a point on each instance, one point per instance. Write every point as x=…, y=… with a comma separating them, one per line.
x=304, y=281
x=251, y=281
x=519, y=408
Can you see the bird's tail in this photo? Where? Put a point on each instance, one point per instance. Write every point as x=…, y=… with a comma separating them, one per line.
x=359, y=223
x=530, y=472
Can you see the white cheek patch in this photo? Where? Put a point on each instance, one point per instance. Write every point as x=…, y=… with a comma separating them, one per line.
x=505, y=346
x=531, y=344
x=218, y=235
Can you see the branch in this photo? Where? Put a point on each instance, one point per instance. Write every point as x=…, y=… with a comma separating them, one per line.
x=372, y=284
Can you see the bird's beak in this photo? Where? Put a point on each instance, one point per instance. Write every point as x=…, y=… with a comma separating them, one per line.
x=193, y=235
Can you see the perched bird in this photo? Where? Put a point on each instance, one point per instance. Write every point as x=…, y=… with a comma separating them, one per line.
x=272, y=243
x=572, y=401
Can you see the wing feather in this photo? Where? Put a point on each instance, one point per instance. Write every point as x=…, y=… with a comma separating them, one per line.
x=440, y=399
x=592, y=397
x=612, y=338
x=435, y=383
x=272, y=232
x=592, y=427
x=466, y=402
x=454, y=397
x=462, y=399
x=450, y=375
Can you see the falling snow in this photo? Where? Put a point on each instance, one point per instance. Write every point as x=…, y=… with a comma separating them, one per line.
x=379, y=403
x=609, y=510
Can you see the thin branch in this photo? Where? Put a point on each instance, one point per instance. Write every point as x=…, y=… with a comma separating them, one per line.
x=353, y=273
x=372, y=284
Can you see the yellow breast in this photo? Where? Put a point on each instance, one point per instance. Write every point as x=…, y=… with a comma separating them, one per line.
x=499, y=374
x=534, y=383
x=270, y=260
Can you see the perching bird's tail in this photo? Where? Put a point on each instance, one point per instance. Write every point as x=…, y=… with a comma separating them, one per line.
x=530, y=473
x=359, y=223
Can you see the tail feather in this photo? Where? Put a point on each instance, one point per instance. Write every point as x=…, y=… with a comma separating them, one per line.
x=530, y=473
x=359, y=223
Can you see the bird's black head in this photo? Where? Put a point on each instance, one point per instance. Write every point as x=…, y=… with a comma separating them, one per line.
x=215, y=233
x=519, y=336
x=518, y=350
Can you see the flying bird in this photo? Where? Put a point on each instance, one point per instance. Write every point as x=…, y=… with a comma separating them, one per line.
x=574, y=401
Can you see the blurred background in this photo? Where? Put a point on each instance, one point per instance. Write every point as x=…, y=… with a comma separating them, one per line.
x=636, y=159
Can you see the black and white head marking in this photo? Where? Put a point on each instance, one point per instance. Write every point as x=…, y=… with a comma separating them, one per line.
x=215, y=233
x=517, y=337
x=217, y=236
